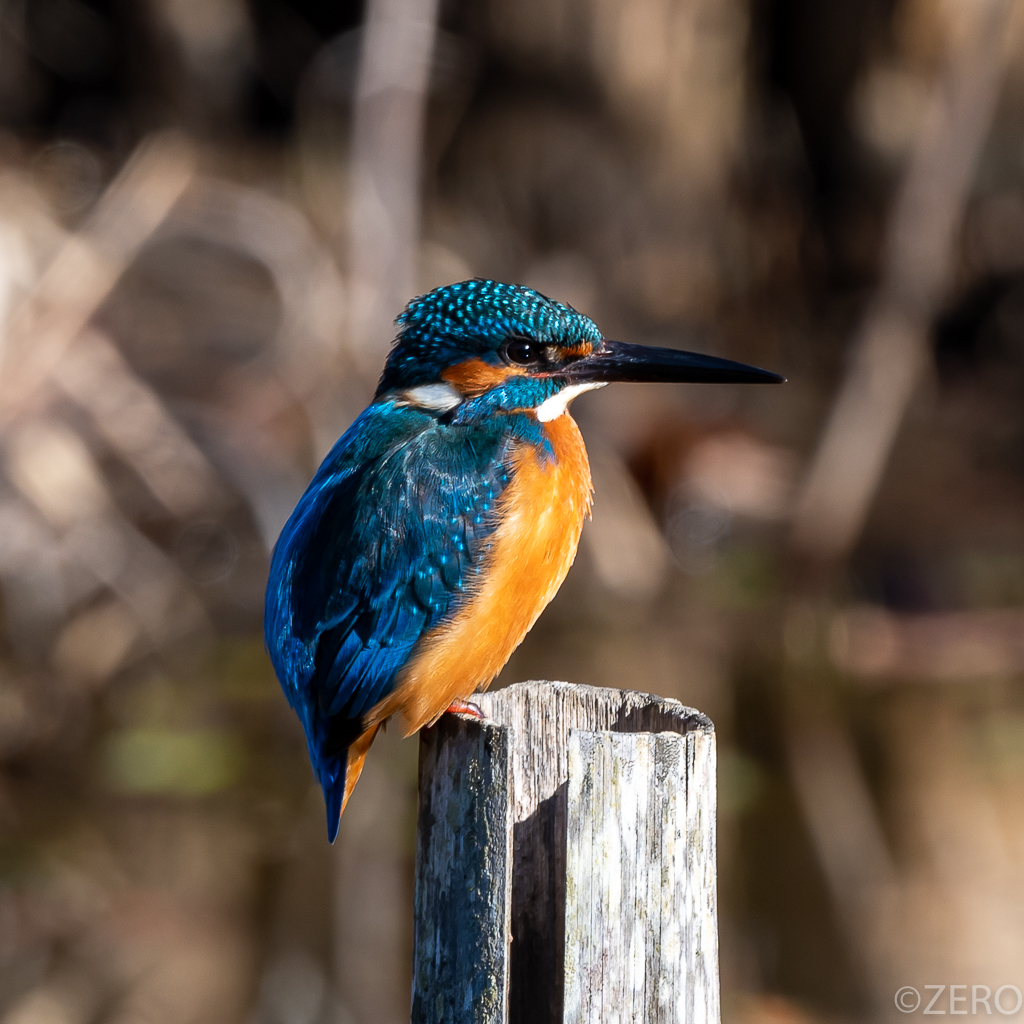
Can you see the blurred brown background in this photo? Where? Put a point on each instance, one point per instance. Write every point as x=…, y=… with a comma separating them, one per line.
x=210, y=213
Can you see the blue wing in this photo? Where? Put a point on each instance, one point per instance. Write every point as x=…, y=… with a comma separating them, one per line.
x=378, y=551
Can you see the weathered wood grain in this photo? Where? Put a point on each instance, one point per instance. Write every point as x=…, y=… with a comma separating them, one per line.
x=463, y=876
x=563, y=741
x=640, y=936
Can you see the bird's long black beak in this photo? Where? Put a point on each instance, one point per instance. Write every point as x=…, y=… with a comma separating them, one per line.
x=617, y=361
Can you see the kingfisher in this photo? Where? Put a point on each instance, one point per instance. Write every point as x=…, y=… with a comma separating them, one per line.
x=445, y=519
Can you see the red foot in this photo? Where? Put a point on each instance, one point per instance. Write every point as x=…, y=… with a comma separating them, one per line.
x=464, y=707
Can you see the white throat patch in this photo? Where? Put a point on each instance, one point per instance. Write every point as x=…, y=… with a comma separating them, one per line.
x=436, y=397
x=553, y=407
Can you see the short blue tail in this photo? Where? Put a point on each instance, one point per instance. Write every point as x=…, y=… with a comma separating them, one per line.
x=333, y=783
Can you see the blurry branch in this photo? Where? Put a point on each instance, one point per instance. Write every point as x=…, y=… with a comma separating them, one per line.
x=52, y=467
x=845, y=829
x=88, y=266
x=875, y=645
x=307, y=350
x=890, y=352
x=215, y=45
x=391, y=93
x=132, y=419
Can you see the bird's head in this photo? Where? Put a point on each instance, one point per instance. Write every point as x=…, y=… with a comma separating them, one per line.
x=481, y=337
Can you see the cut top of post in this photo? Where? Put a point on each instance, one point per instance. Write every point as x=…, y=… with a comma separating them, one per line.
x=540, y=716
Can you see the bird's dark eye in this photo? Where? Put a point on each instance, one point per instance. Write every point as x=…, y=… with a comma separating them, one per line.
x=523, y=352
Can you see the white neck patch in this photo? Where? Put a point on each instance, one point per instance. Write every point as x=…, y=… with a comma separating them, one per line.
x=555, y=406
x=436, y=397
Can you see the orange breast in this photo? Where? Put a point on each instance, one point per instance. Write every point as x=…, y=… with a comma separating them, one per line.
x=541, y=516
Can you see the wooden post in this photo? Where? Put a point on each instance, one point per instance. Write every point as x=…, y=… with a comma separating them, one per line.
x=565, y=862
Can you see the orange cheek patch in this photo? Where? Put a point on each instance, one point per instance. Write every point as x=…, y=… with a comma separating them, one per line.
x=473, y=377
